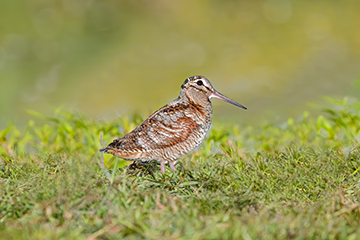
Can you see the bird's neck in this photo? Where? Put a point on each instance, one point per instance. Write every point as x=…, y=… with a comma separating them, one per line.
x=201, y=103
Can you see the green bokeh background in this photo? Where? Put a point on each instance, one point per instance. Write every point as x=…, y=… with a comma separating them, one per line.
x=107, y=58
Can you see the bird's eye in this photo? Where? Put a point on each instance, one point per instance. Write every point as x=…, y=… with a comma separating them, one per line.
x=200, y=83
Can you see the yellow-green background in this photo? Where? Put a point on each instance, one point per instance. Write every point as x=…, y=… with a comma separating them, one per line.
x=107, y=58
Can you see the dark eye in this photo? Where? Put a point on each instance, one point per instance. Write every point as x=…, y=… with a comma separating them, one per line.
x=200, y=83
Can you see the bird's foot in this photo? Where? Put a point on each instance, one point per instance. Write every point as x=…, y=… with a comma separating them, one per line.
x=172, y=166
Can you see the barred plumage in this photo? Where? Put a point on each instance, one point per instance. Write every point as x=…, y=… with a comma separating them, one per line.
x=173, y=130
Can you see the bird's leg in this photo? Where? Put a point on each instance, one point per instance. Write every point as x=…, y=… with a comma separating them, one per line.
x=162, y=167
x=172, y=166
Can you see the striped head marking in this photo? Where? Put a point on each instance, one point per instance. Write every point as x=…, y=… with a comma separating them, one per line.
x=198, y=87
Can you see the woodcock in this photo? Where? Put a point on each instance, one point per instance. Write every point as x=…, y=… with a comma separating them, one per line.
x=173, y=130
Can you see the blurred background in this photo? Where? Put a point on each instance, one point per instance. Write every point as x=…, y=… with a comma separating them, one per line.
x=106, y=58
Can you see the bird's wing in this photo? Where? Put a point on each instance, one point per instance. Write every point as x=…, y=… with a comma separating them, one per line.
x=165, y=128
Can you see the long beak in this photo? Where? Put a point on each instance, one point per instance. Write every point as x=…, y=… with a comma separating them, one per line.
x=218, y=95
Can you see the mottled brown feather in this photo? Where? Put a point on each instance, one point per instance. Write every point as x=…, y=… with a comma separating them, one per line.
x=173, y=130
x=154, y=133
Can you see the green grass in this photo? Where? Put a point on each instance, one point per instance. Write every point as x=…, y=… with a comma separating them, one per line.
x=297, y=180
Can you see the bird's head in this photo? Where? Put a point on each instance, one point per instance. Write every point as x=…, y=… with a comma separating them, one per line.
x=198, y=89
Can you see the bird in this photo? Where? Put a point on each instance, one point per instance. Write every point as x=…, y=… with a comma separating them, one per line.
x=174, y=130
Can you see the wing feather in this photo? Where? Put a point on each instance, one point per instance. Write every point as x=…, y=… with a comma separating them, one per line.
x=165, y=128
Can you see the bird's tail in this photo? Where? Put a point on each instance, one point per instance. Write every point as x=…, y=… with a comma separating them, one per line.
x=121, y=154
x=104, y=150
x=110, y=150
